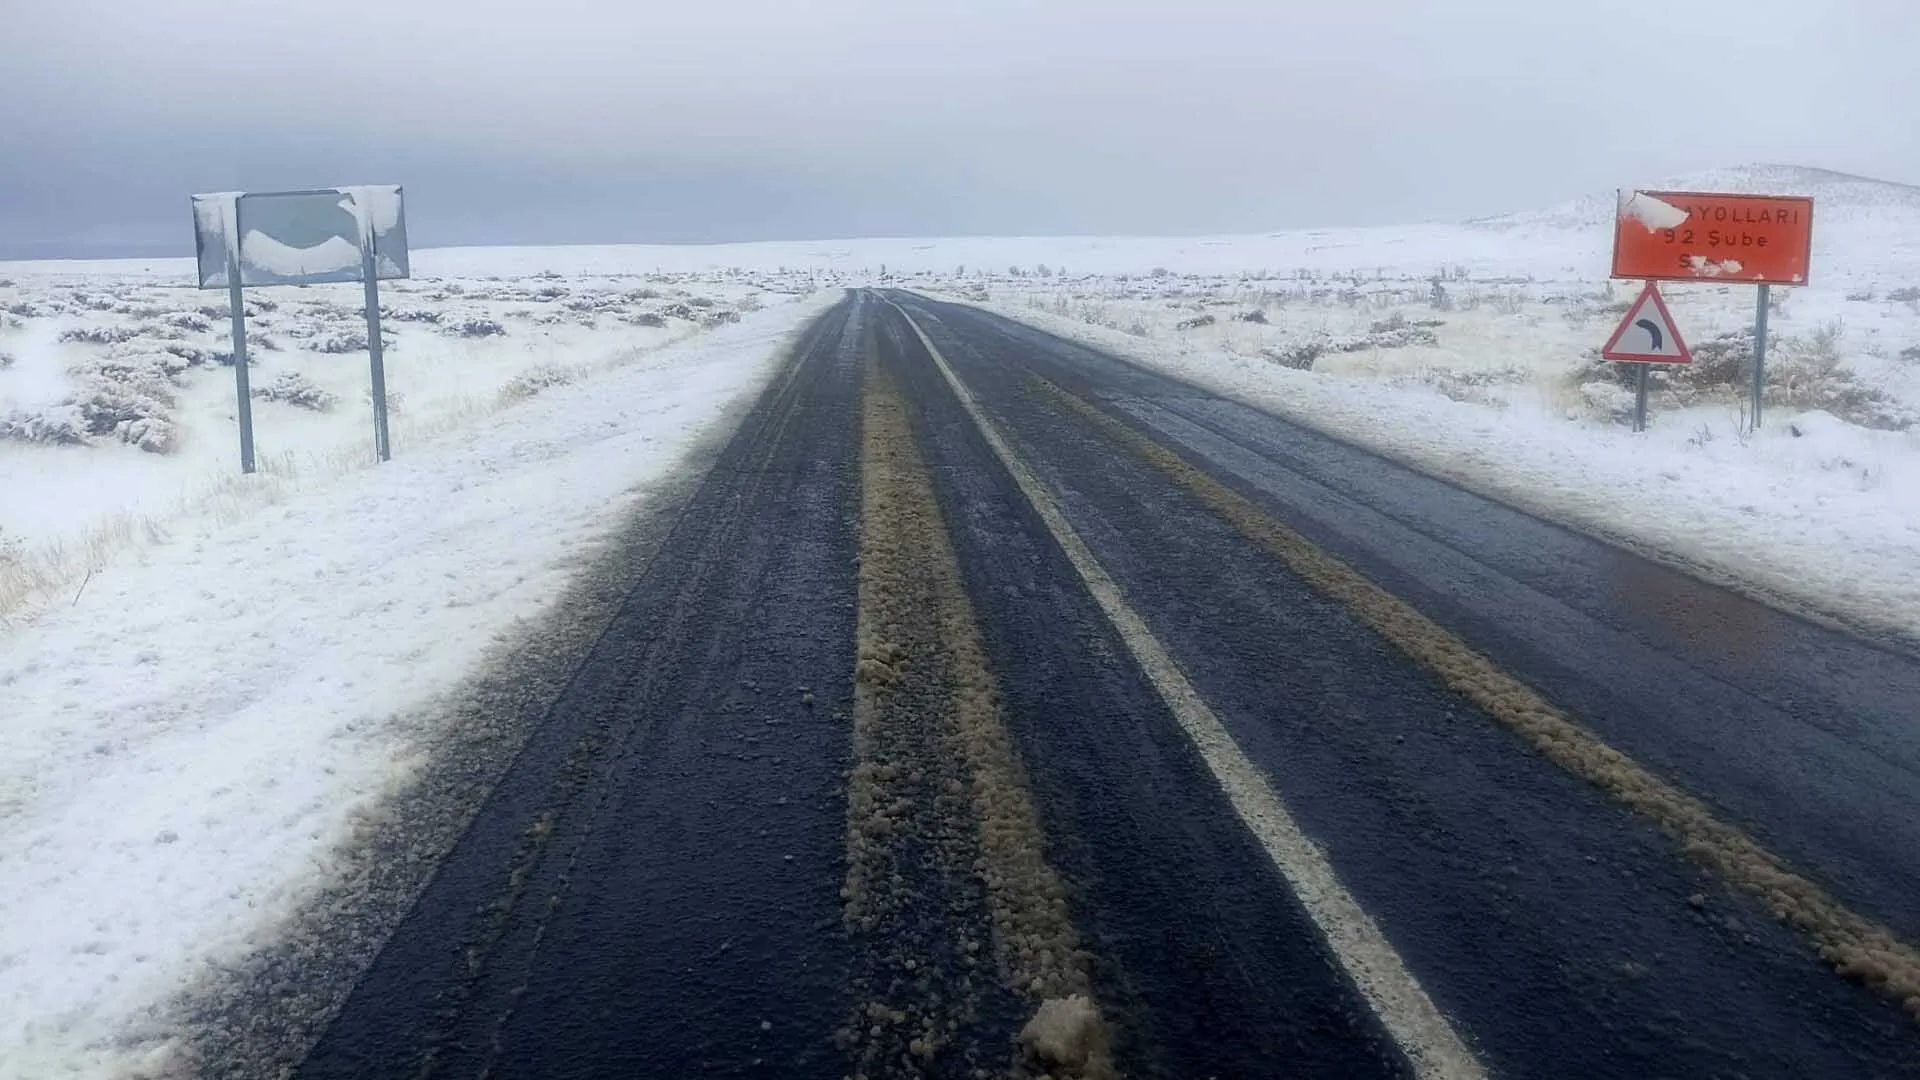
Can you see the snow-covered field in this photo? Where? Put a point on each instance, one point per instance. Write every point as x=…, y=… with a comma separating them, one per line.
x=203, y=677
x=117, y=403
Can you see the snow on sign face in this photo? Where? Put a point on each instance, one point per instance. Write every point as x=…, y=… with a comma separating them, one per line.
x=1646, y=334
x=1650, y=211
x=301, y=237
x=1687, y=236
x=331, y=256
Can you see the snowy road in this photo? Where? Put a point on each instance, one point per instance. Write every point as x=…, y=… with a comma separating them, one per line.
x=996, y=707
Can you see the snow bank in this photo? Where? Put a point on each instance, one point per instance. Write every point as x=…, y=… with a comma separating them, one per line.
x=184, y=744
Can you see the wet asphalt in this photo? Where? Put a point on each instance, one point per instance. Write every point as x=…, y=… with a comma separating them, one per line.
x=653, y=889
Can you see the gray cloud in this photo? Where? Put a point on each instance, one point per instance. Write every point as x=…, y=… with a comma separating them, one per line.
x=581, y=120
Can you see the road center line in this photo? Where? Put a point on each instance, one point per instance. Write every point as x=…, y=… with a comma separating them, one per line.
x=1422, y=1032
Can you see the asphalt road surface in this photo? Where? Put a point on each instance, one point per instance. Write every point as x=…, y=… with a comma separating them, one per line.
x=997, y=708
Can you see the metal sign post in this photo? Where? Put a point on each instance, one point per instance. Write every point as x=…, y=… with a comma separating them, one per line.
x=1640, y=399
x=381, y=447
x=1760, y=354
x=241, y=382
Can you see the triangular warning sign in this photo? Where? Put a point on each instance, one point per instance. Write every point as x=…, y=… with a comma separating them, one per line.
x=1647, y=334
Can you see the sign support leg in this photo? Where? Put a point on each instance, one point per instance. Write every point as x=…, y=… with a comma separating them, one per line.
x=1760, y=355
x=241, y=385
x=1640, y=397
x=381, y=447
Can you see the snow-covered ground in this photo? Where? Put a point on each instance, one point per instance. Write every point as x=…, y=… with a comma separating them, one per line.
x=203, y=677
x=117, y=402
x=1472, y=354
x=183, y=743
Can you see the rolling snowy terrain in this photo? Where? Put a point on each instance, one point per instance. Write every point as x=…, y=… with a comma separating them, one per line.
x=205, y=677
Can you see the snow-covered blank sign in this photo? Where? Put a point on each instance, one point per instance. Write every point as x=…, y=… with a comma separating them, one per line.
x=300, y=237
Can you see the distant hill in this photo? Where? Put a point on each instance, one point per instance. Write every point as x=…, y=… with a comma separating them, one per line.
x=1837, y=196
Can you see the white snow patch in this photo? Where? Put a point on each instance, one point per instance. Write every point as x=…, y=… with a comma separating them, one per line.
x=284, y=260
x=375, y=206
x=38, y=376
x=1706, y=267
x=1654, y=213
x=216, y=216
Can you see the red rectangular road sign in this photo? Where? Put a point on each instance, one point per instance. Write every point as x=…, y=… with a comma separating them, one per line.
x=1700, y=236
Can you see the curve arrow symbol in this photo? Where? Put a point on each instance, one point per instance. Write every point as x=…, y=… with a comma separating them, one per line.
x=1653, y=330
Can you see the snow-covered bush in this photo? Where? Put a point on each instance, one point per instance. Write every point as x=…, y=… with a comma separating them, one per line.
x=1802, y=372
x=138, y=368
x=293, y=388
x=1608, y=400
x=58, y=425
x=104, y=406
x=99, y=335
x=1297, y=357
x=336, y=342
x=151, y=434
x=475, y=327
x=531, y=382
x=7, y=360
x=140, y=360
x=1394, y=332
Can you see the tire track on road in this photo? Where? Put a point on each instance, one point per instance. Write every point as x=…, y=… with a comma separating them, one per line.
x=968, y=942
x=505, y=965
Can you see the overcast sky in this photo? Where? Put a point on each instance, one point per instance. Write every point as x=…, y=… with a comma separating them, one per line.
x=560, y=121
